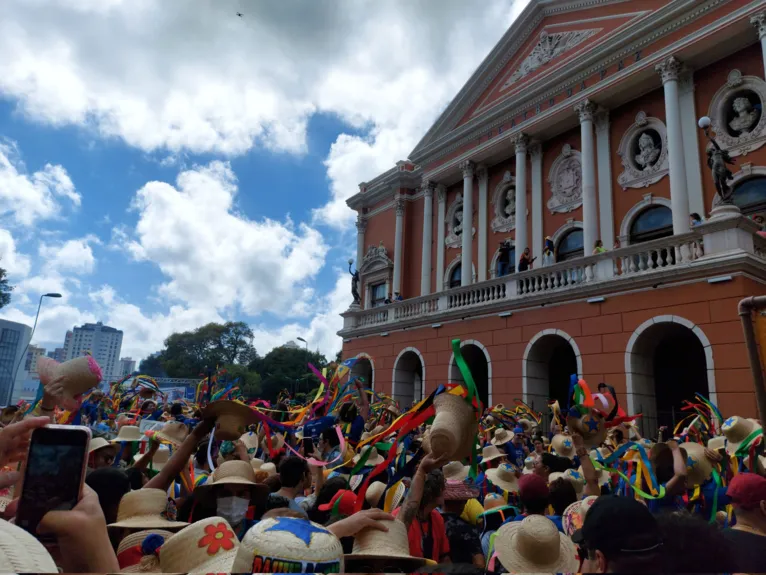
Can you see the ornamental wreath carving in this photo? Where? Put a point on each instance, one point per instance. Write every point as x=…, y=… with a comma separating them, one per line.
x=456, y=223
x=644, y=153
x=504, y=204
x=736, y=111
x=565, y=179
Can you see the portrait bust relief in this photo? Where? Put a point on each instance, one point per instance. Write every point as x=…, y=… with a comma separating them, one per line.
x=457, y=226
x=745, y=117
x=648, y=152
x=644, y=153
x=504, y=204
x=736, y=111
x=456, y=223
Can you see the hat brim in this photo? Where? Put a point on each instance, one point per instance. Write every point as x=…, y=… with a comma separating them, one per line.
x=218, y=408
x=459, y=476
x=498, y=456
x=509, y=486
x=495, y=442
x=148, y=522
x=259, y=488
x=370, y=462
x=514, y=562
x=363, y=563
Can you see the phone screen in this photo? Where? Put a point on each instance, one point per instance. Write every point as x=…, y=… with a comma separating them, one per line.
x=308, y=446
x=53, y=475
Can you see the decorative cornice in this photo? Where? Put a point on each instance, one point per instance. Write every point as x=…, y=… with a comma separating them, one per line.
x=399, y=204
x=669, y=69
x=361, y=224
x=759, y=21
x=427, y=187
x=519, y=142
x=467, y=167
x=585, y=110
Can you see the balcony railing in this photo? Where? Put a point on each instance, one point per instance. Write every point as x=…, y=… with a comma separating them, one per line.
x=694, y=251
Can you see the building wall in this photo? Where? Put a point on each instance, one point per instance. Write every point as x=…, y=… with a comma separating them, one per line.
x=102, y=342
x=13, y=339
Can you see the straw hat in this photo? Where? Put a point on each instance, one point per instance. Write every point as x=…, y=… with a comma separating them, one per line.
x=233, y=472
x=604, y=477
x=574, y=515
x=173, y=432
x=145, y=509
x=70, y=379
x=504, y=477
x=698, y=468
x=138, y=551
x=98, y=443
x=563, y=446
x=129, y=433
x=590, y=426
x=382, y=549
x=205, y=546
x=574, y=477
x=256, y=463
x=460, y=490
x=737, y=429
x=493, y=500
x=291, y=545
x=502, y=436
x=535, y=545
x=277, y=442
x=375, y=491
x=374, y=459
x=231, y=418
x=21, y=552
x=454, y=426
x=491, y=452
x=269, y=468
x=455, y=470
x=250, y=440
x=526, y=425
x=529, y=465
x=161, y=457
x=716, y=443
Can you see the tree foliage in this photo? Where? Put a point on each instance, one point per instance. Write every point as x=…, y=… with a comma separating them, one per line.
x=5, y=289
x=152, y=366
x=287, y=368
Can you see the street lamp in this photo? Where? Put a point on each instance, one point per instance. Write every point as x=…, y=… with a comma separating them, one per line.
x=307, y=351
x=24, y=353
x=717, y=159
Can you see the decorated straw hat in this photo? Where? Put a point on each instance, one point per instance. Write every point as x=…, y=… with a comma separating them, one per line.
x=504, y=477
x=563, y=446
x=737, y=430
x=21, y=552
x=69, y=380
x=98, y=443
x=374, y=494
x=385, y=551
x=146, y=509
x=173, y=432
x=491, y=452
x=355, y=481
x=374, y=459
x=161, y=457
x=456, y=490
x=137, y=552
x=590, y=426
x=574, y=515
x=205, y=546
x=604, y=477
x=502, y=436
x=455, y=470
x=365, y=436
x=535, y=545
x=492, y=500
x=529, y=464
x=454, y=427
x=277, y=442
x=716, y=443
x=233, y=472
x=250, y=440
x=288, y=545
x=698, y=468
x=575, y=478
x=231, y=418
x=129, y=433
x=526, y=425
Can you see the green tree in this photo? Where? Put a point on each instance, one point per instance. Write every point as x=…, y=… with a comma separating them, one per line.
x=287, y=368
x=5, y=289
x=249, y=381
x=152, y=366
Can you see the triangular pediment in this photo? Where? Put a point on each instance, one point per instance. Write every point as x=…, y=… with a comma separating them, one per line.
x=547, y=36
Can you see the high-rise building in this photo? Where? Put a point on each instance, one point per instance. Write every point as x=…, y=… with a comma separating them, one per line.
x=104, y=343
x=59, y=354
x=33, y=354
x=127, y=366
x=13, y=338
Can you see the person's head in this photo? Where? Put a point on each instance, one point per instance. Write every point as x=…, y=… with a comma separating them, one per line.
x=533, y=494
x=539, y=446
x=176, y=409
x=324, y=496
x=598, y=243
x=348, y=412
x=695, y=217
x=103, y=457
x=148, y=406
x=549, y=463
x=293, y=472
x=110, y=484
x=748, y=495
x=526, y=251
x=433, y=491
x=328, y=440
x=602, y=387
x=692, y=545
x=562, y=495
x=619, y=535
x=136, y=477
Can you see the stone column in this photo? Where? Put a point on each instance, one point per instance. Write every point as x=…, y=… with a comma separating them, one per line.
x=483, y=176
x=691, y=143
x=361, y=226
x=466, y=237
x=399, y=205
x=428, y=228
x=441, y=215
x=585, y=110
x=604, y=159
x=536, y=155
x=522, y=237
x=759, y=21
x=679, y=195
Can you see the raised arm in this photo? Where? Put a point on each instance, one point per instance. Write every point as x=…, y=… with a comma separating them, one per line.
x=415, y=494
x=588, y=469
x=180, y=459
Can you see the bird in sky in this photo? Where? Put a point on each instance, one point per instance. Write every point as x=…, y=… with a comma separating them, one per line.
x=240, y=14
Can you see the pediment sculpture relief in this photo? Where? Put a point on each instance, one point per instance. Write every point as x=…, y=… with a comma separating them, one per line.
x=644, y=152
x=565, y=179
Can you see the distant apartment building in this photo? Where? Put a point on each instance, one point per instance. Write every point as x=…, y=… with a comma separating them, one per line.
x=127, y=366
x=13, y=338
x=59, y=354
x=104, y=343
x=33, y=354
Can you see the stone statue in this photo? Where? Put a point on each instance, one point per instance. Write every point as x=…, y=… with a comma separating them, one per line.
x=746, y=116
x=354, y=283
x=458, y=229
x=647, y=151
x=716, y=161
x=510, y=203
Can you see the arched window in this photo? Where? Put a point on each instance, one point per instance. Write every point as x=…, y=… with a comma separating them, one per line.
x=570, y=246
x=750, y=196
x=653, y=223
x=454, y=277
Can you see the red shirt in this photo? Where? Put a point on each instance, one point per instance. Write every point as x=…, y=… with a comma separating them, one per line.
x=433, y=529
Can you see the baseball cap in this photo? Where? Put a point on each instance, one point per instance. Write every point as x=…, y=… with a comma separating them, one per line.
x=342, y=503
x=619, y=525
x=747, y=490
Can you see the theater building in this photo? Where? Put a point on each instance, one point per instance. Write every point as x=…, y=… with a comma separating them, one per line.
x=580, y=125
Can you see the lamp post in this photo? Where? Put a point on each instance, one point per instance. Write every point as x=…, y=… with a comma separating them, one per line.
x=717, y=159
x=26, y=347
x=307, y=350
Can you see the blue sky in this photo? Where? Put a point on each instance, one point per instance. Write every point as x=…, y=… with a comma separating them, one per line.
x=163, y=166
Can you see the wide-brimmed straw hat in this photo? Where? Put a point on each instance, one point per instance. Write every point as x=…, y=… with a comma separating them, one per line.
x=563, y=446
x=574, y=477
x=137, y=552
x=383, y=549
x=502, y=436
x=146, y=509
x=288, y=544
x=716, y=443
x=590, y=426
x=535, y=545
x=160, y=459
x=231, y=418
x=492, y=500
x=460, y=490
x=454, y=427
x=491, y=452
x=698, y=467
x=21, y=552
x=574, y=515
x=269, y=468
x=737, y=430
x=205, y=546
x=250, y=440
x=455, y=470
x=277, y=442
x=375, y=458
x=504, y=477
x=98, y=443
x=70, y=379
x=233, y=472
x=526, y=425
x=129, y=433
x=529, y=465
x=374, y=494
x=173, y=433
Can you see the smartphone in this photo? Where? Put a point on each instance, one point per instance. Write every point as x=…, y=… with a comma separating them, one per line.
x=53, y=474
x=308, y=446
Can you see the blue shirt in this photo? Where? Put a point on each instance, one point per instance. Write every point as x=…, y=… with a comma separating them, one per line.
x=357, y=428
x=314, y=429
x=515, y=454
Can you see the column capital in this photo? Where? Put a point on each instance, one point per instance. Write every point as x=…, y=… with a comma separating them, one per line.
x=441, y=193
x=686, y=81
x=520, y=142
x=428, y=187
x=467, y=167
x=669, y=69
x=535, y=150
x=759, y=21
x=585, y=110
x=482, y=173
x=601, y=120
x=361, y=224
x=399, y=205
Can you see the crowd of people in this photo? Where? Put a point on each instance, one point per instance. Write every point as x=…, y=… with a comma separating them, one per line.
x=348, y=482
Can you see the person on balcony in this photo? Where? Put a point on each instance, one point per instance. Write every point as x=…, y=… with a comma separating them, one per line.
x=398, y=296
x=599, y=248
x=526, y=261
x=504, y=258
x=388, y=299
x=694, y=219
x=548, y=252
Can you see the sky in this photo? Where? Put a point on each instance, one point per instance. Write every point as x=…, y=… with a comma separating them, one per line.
x=166, y=163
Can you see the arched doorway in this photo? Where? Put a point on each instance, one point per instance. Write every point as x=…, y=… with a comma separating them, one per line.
x=666, y=363
x=408, y=378
x=365, y=369
x=550, y=359
x=478, y=361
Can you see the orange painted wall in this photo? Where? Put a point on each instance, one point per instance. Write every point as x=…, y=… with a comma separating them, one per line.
x=380, y=227
x=412, y=251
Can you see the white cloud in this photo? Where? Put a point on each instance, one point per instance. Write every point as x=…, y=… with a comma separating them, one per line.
x=55, y=319
x=75, y=256
x=16, y=264
x=27, y=198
